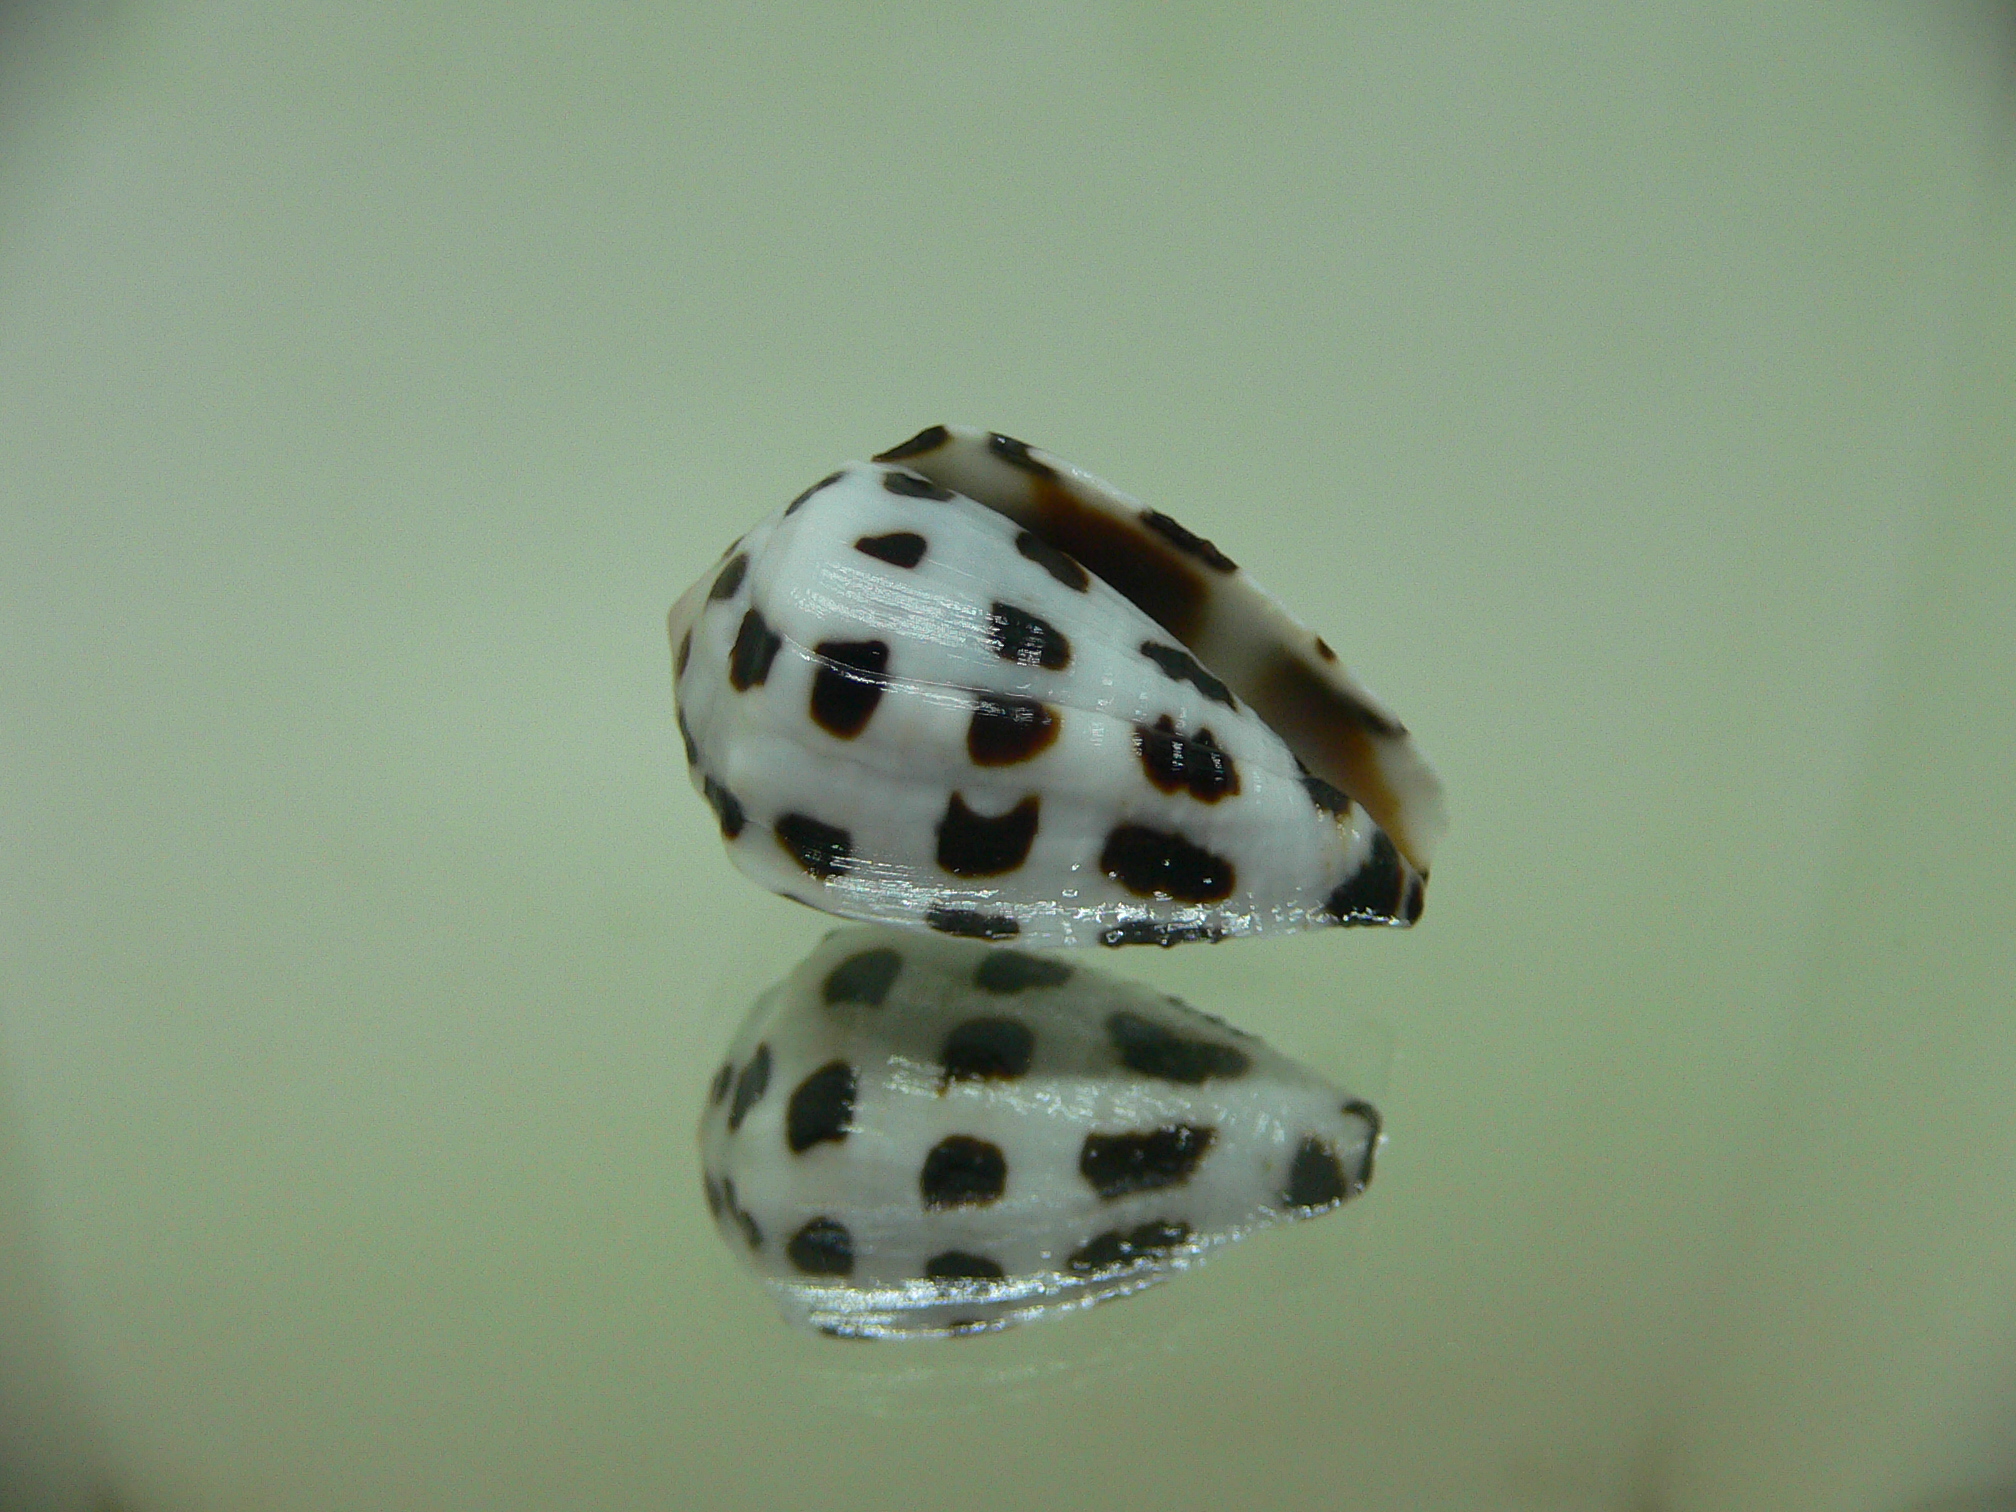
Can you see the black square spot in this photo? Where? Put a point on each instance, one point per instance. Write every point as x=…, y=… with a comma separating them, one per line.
x=961, y=1171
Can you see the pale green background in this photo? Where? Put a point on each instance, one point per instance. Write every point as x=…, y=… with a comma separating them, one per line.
x=1627, y=391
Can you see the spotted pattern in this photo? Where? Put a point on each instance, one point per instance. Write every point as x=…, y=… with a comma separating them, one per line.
x=1177, y=763
x=1376, y=892
x=1315, y=1178
x=686, y=737
x=1068, y=526
x=826, y=482
x=988, y=1049
x=909, y=486
x=1179, y=665
x=1155, y=1050
x=730, y=578
x=1187, y=541
x=756, y=647
x=958, y=1265
x=1006, y=971
x=750, y=1087
x=727, y=807
x=824, y=850
x=823, y=1247
x=1005, y=729
x=974, y=845
x=1115, y=1250
x=969, y=923
x=821, y=1110
x=1143, y=1161
x=1161, y=863
x=961, y=1171
x=1173, y=856
x=1018, y=636
x=900, y=548
x=1058, y=564
x=1023, y=1052
x=863, y=979
x=848, y=685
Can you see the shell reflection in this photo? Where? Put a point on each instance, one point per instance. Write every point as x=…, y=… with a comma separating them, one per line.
x=916, y=1136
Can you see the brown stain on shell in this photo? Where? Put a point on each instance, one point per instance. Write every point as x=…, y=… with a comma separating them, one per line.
x=1139, y=565
x=1338, y=736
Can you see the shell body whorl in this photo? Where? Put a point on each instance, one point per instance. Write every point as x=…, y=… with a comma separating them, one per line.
x=911, y=707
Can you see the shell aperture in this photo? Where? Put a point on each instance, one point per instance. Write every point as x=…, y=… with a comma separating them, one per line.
x=918, y=696
x=915, y=1136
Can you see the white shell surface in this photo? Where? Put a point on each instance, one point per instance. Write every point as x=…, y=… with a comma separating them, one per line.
x=905, y=707
x=915, y=1136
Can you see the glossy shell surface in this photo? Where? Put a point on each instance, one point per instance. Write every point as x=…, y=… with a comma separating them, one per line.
x=908, y=705
x=914, y=1136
